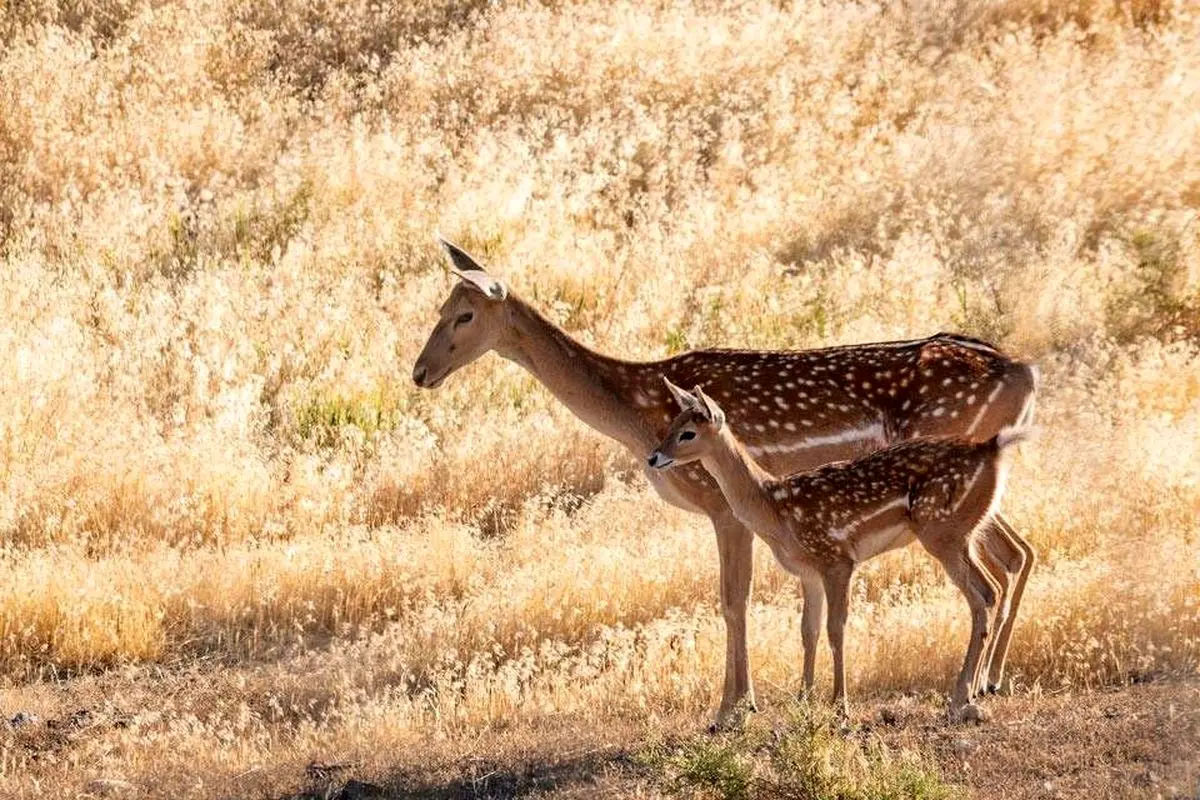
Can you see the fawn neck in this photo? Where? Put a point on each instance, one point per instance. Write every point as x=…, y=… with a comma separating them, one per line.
x=744, y=484
x=581, y=378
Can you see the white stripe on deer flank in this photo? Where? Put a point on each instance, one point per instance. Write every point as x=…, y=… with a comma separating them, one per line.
x=983, y=408
x=872, y=432
x=843, y=533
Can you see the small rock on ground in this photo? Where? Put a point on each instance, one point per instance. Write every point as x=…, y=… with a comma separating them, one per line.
x=110, y=787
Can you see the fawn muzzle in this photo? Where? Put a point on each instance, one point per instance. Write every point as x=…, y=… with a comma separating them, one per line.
x=659, y=461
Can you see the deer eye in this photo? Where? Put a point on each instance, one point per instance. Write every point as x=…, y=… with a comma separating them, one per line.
x=464, y=318
x=683, y=437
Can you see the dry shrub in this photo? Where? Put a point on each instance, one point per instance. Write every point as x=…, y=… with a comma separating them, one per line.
x=100, y=21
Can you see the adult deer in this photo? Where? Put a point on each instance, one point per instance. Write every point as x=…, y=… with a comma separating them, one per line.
x=793, y=410
x=822, y=523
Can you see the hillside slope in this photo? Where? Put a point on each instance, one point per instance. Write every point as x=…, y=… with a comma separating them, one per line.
x=240, y=539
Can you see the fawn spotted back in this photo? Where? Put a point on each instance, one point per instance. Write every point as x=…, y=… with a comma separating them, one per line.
x=926, y=480
x=827, y=520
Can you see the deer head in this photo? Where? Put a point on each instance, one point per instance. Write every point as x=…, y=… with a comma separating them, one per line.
x=470, y=322
x=692, y=432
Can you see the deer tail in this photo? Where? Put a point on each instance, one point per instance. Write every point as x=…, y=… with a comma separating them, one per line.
x=1013, y=435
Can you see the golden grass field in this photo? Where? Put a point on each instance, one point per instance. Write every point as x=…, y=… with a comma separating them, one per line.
x=238, y=542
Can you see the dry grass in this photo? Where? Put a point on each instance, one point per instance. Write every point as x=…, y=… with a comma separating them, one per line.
x=232, y=526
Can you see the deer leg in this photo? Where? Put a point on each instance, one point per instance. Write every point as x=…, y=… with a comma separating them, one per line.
x=811, y=620
x=837, y=590
x=1021, y=566
x=994, y=555
x=735, y=547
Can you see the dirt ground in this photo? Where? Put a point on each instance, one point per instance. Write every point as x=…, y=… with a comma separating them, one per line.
x=1139, y=741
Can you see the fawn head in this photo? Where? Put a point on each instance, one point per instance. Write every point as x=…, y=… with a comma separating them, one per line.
x=469, y=324
x=691, y=433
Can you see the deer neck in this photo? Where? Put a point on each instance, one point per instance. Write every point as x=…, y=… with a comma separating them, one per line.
x=744, y=484
x=582, y=379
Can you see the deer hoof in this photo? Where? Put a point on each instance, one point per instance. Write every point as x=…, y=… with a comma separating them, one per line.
x=733, y=718
x=969, y=713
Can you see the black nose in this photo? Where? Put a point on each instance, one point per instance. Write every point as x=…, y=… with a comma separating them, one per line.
x=419, y=374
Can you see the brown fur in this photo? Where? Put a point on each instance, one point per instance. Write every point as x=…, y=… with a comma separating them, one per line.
x=814, y=407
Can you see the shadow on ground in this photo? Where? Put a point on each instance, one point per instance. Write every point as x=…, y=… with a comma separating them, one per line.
x=476, y=779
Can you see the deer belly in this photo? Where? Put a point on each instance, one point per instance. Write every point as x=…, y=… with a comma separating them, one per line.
x=870, y=544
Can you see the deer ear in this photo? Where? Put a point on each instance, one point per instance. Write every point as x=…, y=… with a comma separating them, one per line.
x=686, y=401
x=491, y=287
x=461, y=259
x=711, y=409
x=472, y=274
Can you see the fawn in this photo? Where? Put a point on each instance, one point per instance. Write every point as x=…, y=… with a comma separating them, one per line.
x=822, y=523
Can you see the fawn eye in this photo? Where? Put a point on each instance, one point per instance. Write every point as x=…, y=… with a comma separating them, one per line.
x=683, y=437
x=464, y=318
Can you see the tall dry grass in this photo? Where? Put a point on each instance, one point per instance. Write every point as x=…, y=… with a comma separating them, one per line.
x=227, y=513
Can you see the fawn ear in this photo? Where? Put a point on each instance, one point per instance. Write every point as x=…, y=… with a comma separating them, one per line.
x=686, y=401
x=710, y=408
x=466, y=267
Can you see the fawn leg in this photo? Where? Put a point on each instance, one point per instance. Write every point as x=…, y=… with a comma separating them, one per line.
x=975, y=584
x=811, y=620
x=837, y=590
x=993, y=554
x=1022, y=567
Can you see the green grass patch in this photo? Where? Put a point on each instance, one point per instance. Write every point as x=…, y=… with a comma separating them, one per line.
x=321, y=418
x=806, y=755
x=1157, y=300
x=258, y=233
x=676, y=341
x=204, y=232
